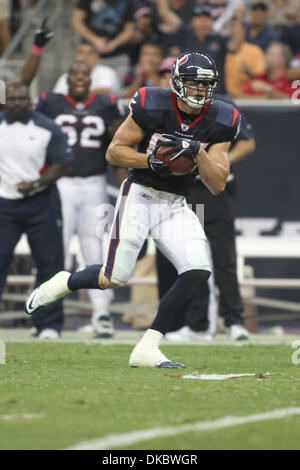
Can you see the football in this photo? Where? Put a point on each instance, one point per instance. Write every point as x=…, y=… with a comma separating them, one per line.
x=181, y=166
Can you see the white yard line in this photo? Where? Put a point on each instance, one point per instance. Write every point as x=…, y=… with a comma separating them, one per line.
x=14, y=417
x=197, y=376
x=126, y=439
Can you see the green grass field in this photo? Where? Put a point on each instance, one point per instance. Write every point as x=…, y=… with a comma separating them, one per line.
x=82, y=392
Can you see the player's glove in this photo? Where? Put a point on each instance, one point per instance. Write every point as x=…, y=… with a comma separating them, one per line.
x=181, y=146
x=158, y=166
x=42, y=35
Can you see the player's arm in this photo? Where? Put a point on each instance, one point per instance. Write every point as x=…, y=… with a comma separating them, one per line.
x=130, y=134
x=121, y=152
x=237, y=36
x=31, y=66
x=53, y=172
x=30, y=69
x=58, y=159
x=78, y=24
x=168, y=15
x=114, y=126
x=241, y=149
x=214, y=166
x=123, y=38
x=244, y=144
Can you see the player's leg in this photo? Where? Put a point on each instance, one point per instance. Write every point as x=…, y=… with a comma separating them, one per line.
x=186, y=249
x=166, y=273
x=69, y=196
x=44, y=232
x=10, y=233
x=181, y=239
x=93, y=219
x=196, y=318
x=129, y=230
x=80, y=201
x=196, y=322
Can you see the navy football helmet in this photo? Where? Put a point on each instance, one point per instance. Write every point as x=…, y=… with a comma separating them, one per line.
x=197, y=73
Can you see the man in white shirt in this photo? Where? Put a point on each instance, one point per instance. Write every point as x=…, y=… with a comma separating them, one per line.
x=33, y=154
x=104, y=79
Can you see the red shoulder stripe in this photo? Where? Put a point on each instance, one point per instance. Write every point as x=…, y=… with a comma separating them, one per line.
x=89, y=100
x=70, y=100
x=235, y=115
x=44, y=94
x=143, y=95
x=85, y=103
x=180, y=121
x=113, y=98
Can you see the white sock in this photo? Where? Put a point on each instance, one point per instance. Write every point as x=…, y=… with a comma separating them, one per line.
x=151, y=338
x=147, y=353
x=57, y=286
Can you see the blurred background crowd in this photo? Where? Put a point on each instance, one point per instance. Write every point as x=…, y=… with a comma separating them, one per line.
x=256, y=44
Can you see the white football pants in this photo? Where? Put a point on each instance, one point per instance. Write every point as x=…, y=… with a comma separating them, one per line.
x=166, y=217
x=84, y=203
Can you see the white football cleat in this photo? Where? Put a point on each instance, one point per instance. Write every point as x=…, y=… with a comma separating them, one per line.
x=237, y=333
x=48, y=334
x=187, y=334
x=150, y=356
x=102, y=327
x=48, y=292
x=147, y=354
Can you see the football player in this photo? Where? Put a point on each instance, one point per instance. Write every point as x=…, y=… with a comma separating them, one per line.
x=152, y=200
x=219, y=229
x=89, y=121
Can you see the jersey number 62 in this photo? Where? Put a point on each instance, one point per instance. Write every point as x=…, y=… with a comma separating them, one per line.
x=89, y=135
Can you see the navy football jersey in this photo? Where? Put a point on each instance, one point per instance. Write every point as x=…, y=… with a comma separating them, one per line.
x=246, y=133
x=246, y=130
x=155, y=110
x=86, y=126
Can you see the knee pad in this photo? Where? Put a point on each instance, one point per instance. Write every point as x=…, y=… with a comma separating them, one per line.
x=191, y=281
x=193, y=278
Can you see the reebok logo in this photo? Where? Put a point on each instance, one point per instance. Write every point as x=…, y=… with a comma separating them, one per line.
x=146, y=196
